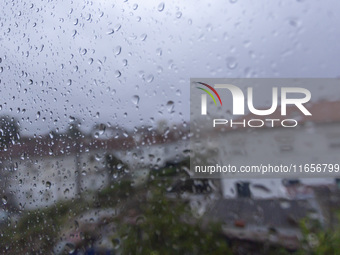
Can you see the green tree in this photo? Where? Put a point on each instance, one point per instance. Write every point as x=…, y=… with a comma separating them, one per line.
x=165, y=227
x=318, y=240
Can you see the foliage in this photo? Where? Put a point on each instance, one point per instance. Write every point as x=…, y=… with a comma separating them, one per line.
x=119, y=190
x=38, y=229
x=317, y=240
x=164, y=228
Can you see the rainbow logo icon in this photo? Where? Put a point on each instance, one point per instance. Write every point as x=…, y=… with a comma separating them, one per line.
x=209, y=93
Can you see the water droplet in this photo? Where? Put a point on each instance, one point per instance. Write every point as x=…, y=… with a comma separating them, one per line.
x=83, y=52
x=117, y=50
x=117, y=27
x=140, y=220
x=159, y=52
x=110, y=32
x=135, y=6
x=98, y=157
x=170, y=106
x=231, y=62
x=295, y=22
x=232, y=1
x=4, y=200
x=70, y=248
x=161, y=7
x=117, y=73
x=150, y=78
x=143, y=37
x=76, y=224
x=116, y=243
x=135, y=99
x=178, y=15
x=48, y=184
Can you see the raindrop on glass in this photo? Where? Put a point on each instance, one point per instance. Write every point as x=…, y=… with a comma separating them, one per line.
x=143, y=37
x=48, y=184
x=150, y=78
x=159, y=52
x=161, y=7
x=4, y=200
x=110, y=32
x=117, y=73
x=117, y=50
x=231, y=62
x=170, y=106
x=135, y=99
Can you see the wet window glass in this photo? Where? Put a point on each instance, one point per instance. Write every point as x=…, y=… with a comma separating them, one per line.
x=95, y=127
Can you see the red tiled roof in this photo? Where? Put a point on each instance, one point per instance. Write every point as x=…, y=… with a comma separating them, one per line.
x=28, y=147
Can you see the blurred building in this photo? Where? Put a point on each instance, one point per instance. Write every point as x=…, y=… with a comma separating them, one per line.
x=316, y=140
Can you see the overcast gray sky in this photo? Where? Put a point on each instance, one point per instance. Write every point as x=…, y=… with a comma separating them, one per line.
x=90, y=59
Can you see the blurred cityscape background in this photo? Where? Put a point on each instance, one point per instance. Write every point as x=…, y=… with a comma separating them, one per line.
x=95, y=127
